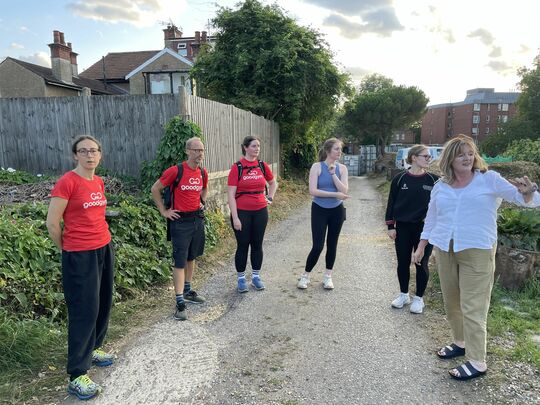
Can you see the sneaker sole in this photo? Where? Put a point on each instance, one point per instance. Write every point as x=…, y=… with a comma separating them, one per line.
x=243, y=291
x=257, y=288
x=194, y=302
x=81, y=396
x=104, y=363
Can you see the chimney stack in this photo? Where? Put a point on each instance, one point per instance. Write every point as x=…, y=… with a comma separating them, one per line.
x=197, y=36
x=61, y=58
x=203, y=39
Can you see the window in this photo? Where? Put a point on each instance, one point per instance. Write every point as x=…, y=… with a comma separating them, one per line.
x=489, y=107
x=486, y=130
x=498, y=118
x=182, y=49
x=505, y=118
x=475, y=131
x=487, y=118
x=182, y=46
x=505, y=107
x=476, y=119
x=476, y=107
x=499, y=107
x=167, y=82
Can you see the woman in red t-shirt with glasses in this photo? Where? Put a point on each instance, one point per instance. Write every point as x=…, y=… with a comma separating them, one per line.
x=249, y=213
x=78, y=198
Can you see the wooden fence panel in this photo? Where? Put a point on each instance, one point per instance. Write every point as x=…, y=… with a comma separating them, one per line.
x=36, y=133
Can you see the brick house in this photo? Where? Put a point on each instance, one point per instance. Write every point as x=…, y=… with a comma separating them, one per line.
x=477, y=116
x=152, y=72
x=24, y=79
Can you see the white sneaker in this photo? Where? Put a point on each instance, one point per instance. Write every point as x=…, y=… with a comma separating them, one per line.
x=402, y=299
x=303, y=282
x=327, y=283
x=417, y=306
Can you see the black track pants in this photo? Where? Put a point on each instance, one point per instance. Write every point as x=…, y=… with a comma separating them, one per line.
x=87, y=277
x=407, y=239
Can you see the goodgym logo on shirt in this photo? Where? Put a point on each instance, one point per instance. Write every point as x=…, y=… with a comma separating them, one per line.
x=194, y=184
x=98, y=200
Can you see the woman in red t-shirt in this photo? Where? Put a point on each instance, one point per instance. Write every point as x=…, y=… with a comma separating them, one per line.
x=78, y=198
x=249, y=213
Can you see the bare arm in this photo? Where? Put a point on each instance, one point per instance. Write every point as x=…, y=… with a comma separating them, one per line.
x=231, y=199
x=57, y=207
x=314, y=191
x=341, y=184
x=272, y=188
x=156, y=190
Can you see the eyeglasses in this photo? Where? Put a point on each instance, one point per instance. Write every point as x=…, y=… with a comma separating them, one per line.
x=197, y=150
x=427, y=157
x=86, y=152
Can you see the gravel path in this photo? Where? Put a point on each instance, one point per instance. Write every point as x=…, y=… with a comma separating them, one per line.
x=288, y=346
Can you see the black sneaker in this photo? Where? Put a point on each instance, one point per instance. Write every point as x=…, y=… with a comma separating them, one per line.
x=193, y=297
x=180, y=313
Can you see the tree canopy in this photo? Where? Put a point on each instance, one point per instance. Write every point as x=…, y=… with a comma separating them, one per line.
x=263, y=61
x=380, y=108
x=526, y=123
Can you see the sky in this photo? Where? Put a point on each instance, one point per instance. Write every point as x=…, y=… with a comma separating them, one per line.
x=442, y=47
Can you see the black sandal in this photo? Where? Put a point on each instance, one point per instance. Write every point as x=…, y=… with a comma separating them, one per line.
x=466, y=372
x=451, y=351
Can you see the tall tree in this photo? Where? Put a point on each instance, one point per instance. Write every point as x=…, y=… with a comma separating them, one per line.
x=380, y=108
x=263, y=61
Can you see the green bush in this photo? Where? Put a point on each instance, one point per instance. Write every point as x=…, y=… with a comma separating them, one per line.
x=527, y=150
x=18, y=177
x=519, y=228
x=171, y=149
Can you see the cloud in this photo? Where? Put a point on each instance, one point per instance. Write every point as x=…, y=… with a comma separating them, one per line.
x=446, y=33
x=351, y=7
x=500, y=66
x=24, y=29
x=15, y=45
x=484, y=35
x=357, y=72
x=39, y=58
x=524, y=48
x=380, y=23
x=495, y=52
x=378, y=16
x=135, y=12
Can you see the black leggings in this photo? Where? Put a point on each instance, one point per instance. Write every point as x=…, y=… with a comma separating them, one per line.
x=252, y=234
x=321, y=220
x=407, y=238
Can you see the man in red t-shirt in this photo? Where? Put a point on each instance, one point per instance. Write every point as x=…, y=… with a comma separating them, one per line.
x=187, y=221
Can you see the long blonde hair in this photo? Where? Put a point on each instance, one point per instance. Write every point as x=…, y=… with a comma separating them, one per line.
x=451, y=150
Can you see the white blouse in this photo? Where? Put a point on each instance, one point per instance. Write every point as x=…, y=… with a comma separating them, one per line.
x=469, y=215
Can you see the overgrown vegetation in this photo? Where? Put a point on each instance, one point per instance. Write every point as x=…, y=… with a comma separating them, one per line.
x=14, y=177
x=525, y=149
x=171, y=149
x=519, y=228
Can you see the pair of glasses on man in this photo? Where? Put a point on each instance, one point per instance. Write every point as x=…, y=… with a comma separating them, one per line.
x=86, y=152
x=427, y=157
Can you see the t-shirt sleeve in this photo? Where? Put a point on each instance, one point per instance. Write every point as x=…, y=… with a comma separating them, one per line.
x=269, y=175
x=63, y=188
x=169, y=175
x=233, y=176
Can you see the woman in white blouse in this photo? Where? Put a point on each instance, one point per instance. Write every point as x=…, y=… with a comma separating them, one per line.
x=461, y=224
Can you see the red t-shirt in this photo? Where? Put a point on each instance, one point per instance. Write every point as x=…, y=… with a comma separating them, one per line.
x=252, y=179
x=85, y=227
x=187, y=195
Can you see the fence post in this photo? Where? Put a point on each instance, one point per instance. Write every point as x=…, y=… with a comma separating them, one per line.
x=185, y=110
x=86, y=94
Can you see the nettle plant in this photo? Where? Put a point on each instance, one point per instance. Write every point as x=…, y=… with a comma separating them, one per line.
x=519, y=228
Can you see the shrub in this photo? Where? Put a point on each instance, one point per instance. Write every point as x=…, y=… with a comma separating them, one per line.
x=525, y=149
x=171, y=149
x=13, y=177
x=519, y=228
